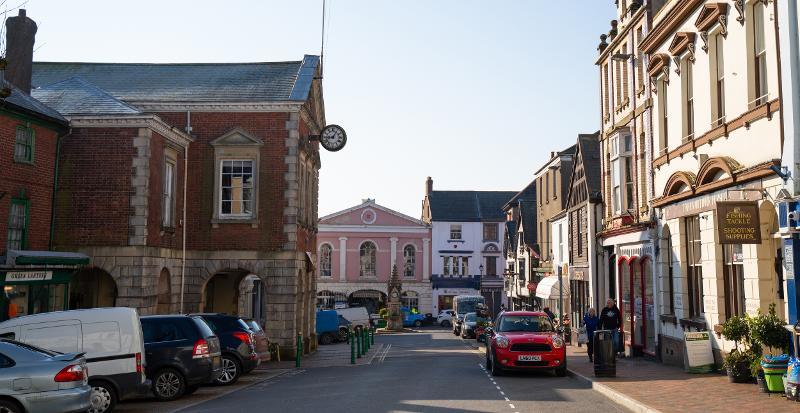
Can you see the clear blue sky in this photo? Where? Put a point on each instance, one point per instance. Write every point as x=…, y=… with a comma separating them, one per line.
x=473, y=93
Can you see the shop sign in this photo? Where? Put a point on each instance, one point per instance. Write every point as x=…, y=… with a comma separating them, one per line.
x=28, y=276
x=699, y=358
x=738, y=222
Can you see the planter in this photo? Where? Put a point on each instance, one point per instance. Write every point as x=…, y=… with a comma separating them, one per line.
x=739, y=373
x=762, y=384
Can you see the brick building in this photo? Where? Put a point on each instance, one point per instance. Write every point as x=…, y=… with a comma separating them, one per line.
x=190, y=187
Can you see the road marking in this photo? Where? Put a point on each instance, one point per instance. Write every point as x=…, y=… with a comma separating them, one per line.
x=501, y=392
x=511, y=406
x=498, y=387
x=507, y=399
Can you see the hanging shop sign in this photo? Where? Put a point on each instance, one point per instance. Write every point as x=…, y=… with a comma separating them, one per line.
x=738, y=222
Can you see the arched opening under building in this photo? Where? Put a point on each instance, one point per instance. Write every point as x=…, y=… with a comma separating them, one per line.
x=164, y=304
x=235, y=292
x=372, y=300
x=329, y=300
x=251, y=298
x=88, y=288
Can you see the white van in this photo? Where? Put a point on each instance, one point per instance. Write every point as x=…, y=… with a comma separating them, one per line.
x=357, y=316
x=110, y=337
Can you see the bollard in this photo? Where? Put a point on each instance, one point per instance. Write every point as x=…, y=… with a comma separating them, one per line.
x=299, y=349
x=358, y=343
x=372, y=335
x=366, y=338
x=352, y=349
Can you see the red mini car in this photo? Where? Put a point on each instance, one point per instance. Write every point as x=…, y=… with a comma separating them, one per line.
x=525, y=340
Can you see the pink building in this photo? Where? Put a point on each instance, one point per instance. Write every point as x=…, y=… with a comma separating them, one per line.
x=356, y=250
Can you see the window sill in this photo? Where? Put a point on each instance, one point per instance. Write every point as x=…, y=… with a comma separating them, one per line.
x=669, y=318
x=24, y=162
x=252, y=221
x=697, y=324
x=456, y=240
x=167, y=230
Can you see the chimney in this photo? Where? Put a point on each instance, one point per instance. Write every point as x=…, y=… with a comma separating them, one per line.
x=20, y=35
x=428, y=186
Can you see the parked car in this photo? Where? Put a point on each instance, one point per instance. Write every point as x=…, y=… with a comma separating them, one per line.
x=344, y=327
x=327, y=326
x=525, y=340
x=445, y=318
x=260, y=339
x=358, y=316
x=35, y=380
x=463, y=304
x=236, y=343
x=182, y=353
x=412, y=319
x=468, y=326
x=111, y=339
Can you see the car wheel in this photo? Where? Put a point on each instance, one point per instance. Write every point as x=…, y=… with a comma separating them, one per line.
x=231, y=370
x=8, y=406
x=190, y=390
x=342, y=334
x=445, y=323
x=103, y=398
x=325, y=339
x=418, y=323
x=496, y=369
x=168, y=385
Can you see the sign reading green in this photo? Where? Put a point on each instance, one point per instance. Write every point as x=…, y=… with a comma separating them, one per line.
x=738, y=222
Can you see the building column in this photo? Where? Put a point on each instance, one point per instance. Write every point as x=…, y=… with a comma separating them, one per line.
x=394, y=253
x=342, y=259
x=426, y=259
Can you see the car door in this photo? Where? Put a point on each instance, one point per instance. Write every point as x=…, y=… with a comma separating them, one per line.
x=164, y=339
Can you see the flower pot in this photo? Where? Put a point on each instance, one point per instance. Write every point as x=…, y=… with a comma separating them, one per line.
x=739, y=373
x=762, y=384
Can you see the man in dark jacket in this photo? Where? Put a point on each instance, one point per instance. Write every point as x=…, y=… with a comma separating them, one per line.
x=611, y=319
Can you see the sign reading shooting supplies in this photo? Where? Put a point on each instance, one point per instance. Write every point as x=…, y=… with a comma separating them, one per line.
x=738, y=222
x=699, y=358
x=28, y=276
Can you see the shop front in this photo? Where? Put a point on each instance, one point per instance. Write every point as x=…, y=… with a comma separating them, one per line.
x=637, y=298
x=37, y=282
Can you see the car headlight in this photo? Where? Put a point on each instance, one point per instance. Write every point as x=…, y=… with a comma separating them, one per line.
x=558, y=342
x=501, y=342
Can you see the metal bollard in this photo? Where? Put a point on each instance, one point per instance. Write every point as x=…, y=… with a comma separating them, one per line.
x=358, y=343
x=366, y=338
x=299, y=349
x=352, y=349
x=366, y=341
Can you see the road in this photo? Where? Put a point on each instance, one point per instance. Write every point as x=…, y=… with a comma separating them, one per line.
x=427, y=371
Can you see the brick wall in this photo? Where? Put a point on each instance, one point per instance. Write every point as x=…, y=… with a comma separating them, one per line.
x=271, y=129
x=35, y=180
x=93, y=199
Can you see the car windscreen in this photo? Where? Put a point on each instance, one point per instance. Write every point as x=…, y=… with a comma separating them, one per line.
x=471, y=317
x=525, y=323
x=253, y=325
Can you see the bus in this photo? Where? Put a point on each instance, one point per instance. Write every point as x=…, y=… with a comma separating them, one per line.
x=463, y=304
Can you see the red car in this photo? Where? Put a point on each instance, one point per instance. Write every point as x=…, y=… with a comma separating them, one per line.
x=525, y=340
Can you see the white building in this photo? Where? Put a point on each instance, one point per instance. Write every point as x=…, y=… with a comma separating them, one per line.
x=467, y=228
x=521, y=249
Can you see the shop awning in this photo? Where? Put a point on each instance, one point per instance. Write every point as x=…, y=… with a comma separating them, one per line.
x=548, y=288
x=45, y=258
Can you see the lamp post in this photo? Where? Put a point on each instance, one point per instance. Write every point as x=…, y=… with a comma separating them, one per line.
x=480, y=279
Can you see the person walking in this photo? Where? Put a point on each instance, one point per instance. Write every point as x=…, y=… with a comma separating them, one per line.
x=590, y=323
x=611, y=319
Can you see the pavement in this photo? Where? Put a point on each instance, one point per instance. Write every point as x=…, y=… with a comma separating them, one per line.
x=648, y=386
x=427, y=370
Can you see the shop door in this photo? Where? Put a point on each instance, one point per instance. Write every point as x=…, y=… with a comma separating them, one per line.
x=637, y=305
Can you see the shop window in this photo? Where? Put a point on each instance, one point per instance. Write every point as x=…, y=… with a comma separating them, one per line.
x=17, y=236
x=24, y=144
x=733, y=274
x=455, y=231
x=694, y=266
x=368, y=255
x=410, y=260
x=490, y=232
x=325, y=260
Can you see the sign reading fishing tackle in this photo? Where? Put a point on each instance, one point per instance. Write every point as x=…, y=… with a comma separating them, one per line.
x=738, y=222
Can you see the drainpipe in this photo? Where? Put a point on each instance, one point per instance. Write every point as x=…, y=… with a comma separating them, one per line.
x=55, y=190
x=183, y=220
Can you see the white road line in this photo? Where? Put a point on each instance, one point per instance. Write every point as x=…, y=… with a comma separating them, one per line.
x=507, y=399
x=501, y=392
x=498, y=387
x=511, y=406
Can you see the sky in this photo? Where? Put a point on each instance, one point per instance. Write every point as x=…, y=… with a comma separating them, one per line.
x=475, y=94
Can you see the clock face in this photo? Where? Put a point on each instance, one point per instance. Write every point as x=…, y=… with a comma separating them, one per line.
x=333, y=138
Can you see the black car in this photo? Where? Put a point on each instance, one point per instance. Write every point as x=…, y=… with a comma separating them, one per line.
x=181, y=353
x=237, y=343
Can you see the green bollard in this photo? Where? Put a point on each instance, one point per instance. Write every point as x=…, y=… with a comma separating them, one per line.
x=358, y=343
x=299, y=350
x=366, y=341
x=366, y=338
x=352, y=348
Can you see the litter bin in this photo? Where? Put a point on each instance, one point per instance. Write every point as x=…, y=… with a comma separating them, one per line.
x=605, y=356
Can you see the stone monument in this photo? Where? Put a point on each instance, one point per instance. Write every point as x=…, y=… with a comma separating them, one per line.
x=395, y=289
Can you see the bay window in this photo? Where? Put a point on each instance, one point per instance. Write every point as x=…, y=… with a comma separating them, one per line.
x=622, y=195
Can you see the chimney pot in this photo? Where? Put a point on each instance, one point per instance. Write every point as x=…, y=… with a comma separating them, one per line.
x=22, y=13
x=428, y=186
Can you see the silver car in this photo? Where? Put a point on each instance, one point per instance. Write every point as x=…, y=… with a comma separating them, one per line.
x=33, y=380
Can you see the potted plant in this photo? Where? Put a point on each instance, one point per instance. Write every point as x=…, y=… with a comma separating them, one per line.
x=738, y=362
x=767, y=333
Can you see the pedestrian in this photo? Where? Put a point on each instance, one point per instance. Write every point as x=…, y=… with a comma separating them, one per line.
x=611, y=319
x=549, y=313
x=590, y=323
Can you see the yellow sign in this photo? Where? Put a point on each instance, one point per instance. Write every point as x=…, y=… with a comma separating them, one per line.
x=738, y=222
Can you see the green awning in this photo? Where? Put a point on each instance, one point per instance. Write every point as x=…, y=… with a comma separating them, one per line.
x=45, y=258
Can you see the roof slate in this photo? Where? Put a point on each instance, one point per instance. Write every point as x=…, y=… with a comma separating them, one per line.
x=189, y=82
x=528, y=215
x=76, y=96
x=468, y=206
x=26, y=102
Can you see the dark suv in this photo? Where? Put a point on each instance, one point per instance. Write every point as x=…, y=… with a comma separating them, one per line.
x=181, y=353
x=238, y=346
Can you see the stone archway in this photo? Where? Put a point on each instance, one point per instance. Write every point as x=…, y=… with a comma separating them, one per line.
x=220, y=294
x=164, y=304
x=92, y=288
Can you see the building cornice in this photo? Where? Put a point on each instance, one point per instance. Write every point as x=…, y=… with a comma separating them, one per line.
x=621, y=35
x=662, y=31
x=151, y=122
x=292, y=106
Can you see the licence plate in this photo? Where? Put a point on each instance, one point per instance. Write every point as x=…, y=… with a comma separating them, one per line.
x=529, y=358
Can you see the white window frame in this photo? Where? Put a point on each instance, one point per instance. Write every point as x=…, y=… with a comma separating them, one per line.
x=325, y=261
x=168, y=193
x=362, y=270
x=410, y=261
x=456, y=229
x=621, y=154
x=253, y=185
